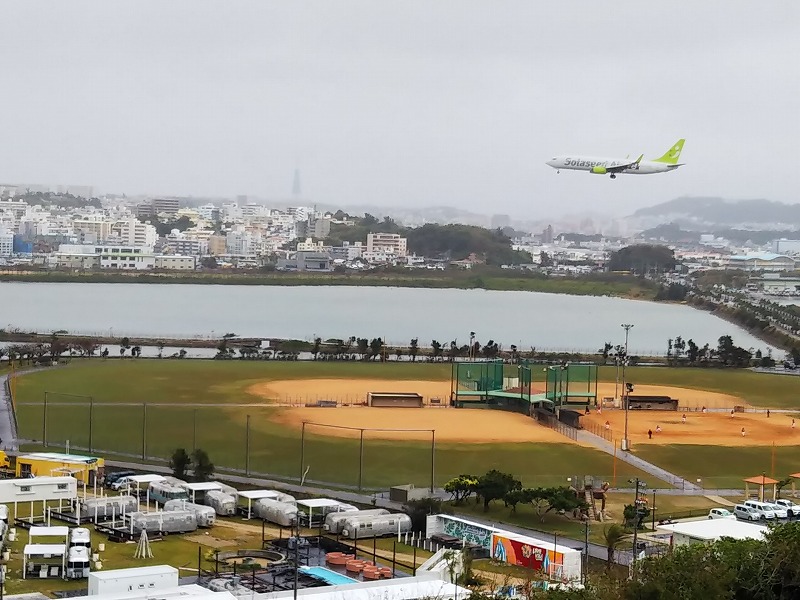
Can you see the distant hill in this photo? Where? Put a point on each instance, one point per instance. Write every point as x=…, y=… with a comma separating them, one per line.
x=705, y=212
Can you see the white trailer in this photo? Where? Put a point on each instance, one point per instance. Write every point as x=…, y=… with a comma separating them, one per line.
x=78, y=564
x=108, y=507
x=376, y=526
x=222, y=503
x=80, y=537
x=177, y=521
x=206, y=515
x=280, y=513
x=335, y=521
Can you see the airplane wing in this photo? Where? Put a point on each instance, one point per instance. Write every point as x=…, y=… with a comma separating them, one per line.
x=620, y=168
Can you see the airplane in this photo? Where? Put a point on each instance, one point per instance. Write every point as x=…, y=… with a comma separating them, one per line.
x=613, y=166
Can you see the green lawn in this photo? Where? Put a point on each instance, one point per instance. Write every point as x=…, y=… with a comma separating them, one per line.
x=274, y=449
x=722, y=466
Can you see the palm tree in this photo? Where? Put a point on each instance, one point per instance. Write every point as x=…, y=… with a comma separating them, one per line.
x=612, y=536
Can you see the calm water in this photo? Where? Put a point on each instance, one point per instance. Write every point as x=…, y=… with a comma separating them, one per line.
x=527, y=319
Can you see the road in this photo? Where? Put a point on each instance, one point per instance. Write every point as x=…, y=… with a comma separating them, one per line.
x=8, y=425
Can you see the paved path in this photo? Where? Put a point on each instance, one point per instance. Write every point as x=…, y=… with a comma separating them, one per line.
x=677, y=482
x=8, y=425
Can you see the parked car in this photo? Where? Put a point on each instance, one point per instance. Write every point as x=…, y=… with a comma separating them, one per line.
x=780, y=511
x=122, y=483
x=720, y=513
x=792, y=509
x=746, y=513
x=116, y=475
x=763, y=509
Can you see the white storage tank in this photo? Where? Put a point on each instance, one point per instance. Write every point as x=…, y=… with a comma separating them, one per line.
x=280, y=513
x=376, y=526
x=335, y=521
x=169, y=522
x=206, y=515
x=80, y=536
x=78, y=562
x=222, y=503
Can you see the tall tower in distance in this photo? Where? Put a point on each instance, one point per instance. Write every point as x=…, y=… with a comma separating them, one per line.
x=296, y=192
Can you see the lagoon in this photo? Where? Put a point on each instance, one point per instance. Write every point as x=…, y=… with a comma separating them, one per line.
x=553, y=322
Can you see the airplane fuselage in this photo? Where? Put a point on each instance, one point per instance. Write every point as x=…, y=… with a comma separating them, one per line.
x=589, y=163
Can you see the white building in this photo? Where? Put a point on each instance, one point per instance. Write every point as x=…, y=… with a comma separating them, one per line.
x=132, y=232
x=126, y=258
x=310, y=245
x=6, y=242
x=786, y=246
x=762, y=261
x=711, y=530
x=386, y=243
x=175, y=262
x=97, y=225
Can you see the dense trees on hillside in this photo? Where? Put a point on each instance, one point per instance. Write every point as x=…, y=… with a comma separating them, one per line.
x=453, y=242
x=643, y=259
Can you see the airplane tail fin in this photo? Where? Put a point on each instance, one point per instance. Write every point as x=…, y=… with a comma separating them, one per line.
x=673, y=154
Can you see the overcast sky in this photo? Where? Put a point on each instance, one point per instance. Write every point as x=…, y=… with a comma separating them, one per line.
x=407, y=103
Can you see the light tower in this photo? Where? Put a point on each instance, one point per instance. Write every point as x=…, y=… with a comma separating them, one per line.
x=626, y=445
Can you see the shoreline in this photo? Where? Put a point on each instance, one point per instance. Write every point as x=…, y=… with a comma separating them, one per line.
x=630, y=288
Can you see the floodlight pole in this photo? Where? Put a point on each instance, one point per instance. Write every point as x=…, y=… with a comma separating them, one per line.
x=247, y=448
x=625, y=440
x=433, y=458
x=360, y=459
x=91, y=410
x=44, y=422
x=302, y=449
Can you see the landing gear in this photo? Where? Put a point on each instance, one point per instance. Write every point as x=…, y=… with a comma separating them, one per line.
x=613, y=176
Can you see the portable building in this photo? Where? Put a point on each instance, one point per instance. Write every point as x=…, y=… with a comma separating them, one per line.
x=80, y=536
x=177, y=521
x=711, y=530
x=108, y=506
x=222, y=503
x=83, y=468
x=280, y=513
x=335, y=521
x=78, y=564
x=206, y=515
x=123, y=581
x=376, y=526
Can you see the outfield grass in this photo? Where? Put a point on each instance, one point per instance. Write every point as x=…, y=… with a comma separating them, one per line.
x=274, y=449
x=722, y=466
x=758, y=389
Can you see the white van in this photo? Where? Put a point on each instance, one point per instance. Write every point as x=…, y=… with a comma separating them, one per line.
x=746, y=513
x=764, y=510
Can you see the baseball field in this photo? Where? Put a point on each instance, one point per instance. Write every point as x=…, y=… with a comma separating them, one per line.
x=250, y=415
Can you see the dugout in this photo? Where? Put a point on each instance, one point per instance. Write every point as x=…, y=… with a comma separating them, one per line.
x=394, y=400
x=651, y=403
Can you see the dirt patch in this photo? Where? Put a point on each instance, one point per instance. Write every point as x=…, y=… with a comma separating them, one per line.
x=710, y=429
x=686, y=397
x=450, y=424
x=344, y=391
x=209, y=540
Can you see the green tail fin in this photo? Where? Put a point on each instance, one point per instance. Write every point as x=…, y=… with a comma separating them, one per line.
x=673, y=154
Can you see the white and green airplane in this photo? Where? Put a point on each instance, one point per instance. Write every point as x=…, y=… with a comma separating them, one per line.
x=612, y=166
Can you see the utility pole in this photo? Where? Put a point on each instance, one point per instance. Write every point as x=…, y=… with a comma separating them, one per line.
x=626, y=445
x=638, y=484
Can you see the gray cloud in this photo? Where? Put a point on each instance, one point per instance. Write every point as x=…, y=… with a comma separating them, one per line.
x=409, y=103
